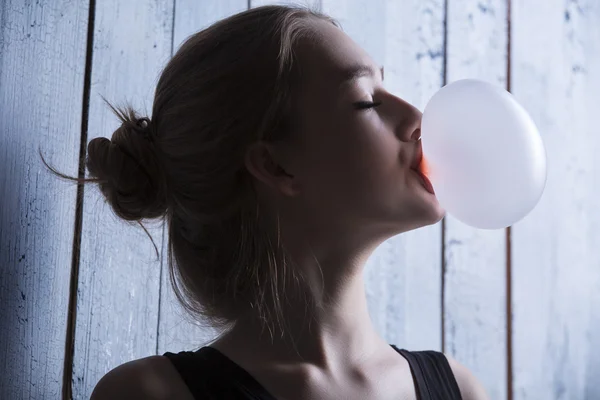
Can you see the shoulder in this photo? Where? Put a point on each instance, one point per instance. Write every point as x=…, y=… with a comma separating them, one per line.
x=470, y=387
x=149, y=378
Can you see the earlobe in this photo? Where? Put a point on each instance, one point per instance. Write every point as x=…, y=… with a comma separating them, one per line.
x=261, y=163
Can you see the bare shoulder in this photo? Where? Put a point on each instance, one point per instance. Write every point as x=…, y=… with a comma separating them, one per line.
x=470, y=387
x=148, y=378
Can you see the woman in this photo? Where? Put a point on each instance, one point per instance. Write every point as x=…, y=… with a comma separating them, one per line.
x=280, y=163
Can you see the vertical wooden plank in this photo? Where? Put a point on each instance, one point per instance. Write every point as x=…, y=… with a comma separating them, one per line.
x=177, y=330
x=118, y=296
x=475, y=273
x=556, y=257
x=414, y=70
x=403, y=276
x=42, y=64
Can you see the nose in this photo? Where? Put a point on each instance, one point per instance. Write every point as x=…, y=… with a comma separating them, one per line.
x=407, y=120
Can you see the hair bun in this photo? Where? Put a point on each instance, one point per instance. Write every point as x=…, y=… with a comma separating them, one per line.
x=128, y=169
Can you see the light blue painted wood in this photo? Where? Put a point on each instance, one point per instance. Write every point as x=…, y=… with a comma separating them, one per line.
x=177, y=330
x=364, y=24
x=475, y=280
x=118, y=294
x=403, y=276
x=556, y=274
x=191, y=15
x=556, y=256
x=42, y=63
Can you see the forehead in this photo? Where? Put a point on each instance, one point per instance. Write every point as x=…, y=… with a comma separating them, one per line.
x=330, y=57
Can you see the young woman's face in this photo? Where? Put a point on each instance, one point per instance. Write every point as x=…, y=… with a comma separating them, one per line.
x=355, y=153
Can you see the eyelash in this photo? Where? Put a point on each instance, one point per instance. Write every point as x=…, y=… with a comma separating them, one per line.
x=365, y=105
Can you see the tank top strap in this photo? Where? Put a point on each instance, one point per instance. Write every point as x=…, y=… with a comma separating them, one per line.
x=208, y=374
x=433, y=376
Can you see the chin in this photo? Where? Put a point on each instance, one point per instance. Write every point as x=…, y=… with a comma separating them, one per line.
x=436, y=214
x=420, y=216
x=433, y=216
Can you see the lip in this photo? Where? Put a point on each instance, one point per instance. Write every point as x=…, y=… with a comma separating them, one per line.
x=424, y=181
x=416, y=167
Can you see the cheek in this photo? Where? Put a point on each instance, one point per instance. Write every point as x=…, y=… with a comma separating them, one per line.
x=352, y=161
x=369, y=151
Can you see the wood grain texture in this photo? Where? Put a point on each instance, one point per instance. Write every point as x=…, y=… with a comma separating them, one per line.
x=556, y=257
x=475, y=273
x=118, y=294
x=42, y=63
x=403, y=276
x=177, y=330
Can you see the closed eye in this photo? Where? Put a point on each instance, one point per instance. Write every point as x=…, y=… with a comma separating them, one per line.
x=363, y=105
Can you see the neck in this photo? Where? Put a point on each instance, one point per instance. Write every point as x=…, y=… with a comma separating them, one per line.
x=333, y=327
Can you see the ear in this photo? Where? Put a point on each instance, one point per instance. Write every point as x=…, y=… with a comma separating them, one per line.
x=261, y=162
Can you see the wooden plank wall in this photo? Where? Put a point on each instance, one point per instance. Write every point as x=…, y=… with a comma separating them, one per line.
x=42, y=67
x=556, y=254
x=475, y=285
x=119, y=279
x=520, y=308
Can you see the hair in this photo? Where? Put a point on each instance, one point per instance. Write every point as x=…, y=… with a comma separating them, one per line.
x=227, y=86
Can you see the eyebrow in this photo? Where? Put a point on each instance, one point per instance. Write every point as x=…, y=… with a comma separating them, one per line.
x=348, y=75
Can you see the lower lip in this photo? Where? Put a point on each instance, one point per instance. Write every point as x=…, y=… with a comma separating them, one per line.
x=425, y=181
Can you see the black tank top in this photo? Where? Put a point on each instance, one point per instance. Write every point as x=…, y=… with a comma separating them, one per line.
x=221, y=378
